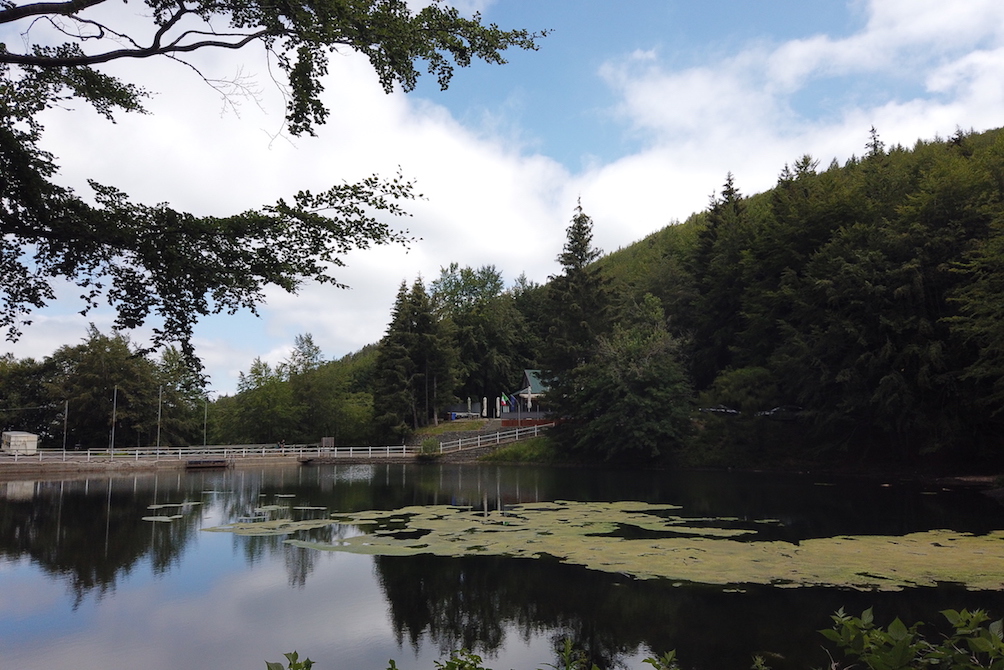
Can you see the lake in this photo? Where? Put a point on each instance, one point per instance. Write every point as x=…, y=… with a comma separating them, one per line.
x=122, y=573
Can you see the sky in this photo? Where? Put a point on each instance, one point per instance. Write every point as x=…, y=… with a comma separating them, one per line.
x=638, y=109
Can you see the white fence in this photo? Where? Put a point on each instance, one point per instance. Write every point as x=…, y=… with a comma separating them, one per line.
x=237, y=451
x=229, y=452
x=501, y=437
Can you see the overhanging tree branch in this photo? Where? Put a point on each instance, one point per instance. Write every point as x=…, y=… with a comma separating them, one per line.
x=176, y=266
x=12, y=14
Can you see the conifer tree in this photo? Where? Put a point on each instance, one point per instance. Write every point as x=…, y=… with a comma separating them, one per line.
x=392, y=399
x=578, y=303
x=577, y=300
x=715, y=315
x=415, y=365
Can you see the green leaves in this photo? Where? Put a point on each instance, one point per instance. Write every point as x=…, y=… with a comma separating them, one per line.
x=972, y=644
x=294, y=663
x=154, y=261
x=179, y=267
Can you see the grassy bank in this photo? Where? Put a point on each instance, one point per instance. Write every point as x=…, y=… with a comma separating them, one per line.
x=534, y=450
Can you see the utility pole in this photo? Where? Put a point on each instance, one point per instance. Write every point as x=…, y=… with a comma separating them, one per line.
x=115, y=403
x=160, y=406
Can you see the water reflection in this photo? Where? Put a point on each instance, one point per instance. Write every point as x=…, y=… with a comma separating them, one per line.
x=91, y=531
x=91, y=534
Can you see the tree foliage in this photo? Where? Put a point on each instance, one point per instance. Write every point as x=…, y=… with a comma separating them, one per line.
x=862, y=294
x=416, y=366
x=491, y=334
x=632, y=401
x=154, y=260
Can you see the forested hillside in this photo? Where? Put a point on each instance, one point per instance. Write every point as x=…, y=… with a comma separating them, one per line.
x=853, y=312
x=867, y=294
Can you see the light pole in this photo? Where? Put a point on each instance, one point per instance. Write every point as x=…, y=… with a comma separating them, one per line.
x=160, y=407
x=115, y=403
x=205, y=419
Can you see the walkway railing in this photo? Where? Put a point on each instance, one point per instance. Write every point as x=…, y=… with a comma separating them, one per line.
x=501, y=437
x=228, y=452
x=236, y=451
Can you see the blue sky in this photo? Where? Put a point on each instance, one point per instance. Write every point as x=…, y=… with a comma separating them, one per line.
x=638, y=107
x=557, y=102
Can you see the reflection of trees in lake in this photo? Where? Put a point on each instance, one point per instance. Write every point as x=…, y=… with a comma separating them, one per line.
x=472, y=602
x=91, y=531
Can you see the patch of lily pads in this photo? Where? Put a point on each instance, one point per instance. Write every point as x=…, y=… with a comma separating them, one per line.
x=650, y=541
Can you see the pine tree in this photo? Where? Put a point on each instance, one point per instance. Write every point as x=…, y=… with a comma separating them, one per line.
x=434, y=357
x=578, y=303
x=715, y=315
x=392, y=399
x=415, y=366
x=577, y=300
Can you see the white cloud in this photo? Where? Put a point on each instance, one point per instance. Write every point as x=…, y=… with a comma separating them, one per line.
x=738, y=114
x=901, y=37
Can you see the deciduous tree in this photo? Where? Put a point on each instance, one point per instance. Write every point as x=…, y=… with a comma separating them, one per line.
x=156, y=261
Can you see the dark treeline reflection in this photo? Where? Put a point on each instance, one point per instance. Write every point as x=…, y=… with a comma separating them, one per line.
x=91, y=532
x=473, y=602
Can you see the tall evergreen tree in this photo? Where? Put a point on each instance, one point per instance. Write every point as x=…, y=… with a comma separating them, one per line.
x=715, y=314
x=434, y=356
x=392, y=384
x=415, y=366
x=181, y=399
x=578, y=302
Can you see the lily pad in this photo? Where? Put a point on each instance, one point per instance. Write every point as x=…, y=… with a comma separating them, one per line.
x=270, y=527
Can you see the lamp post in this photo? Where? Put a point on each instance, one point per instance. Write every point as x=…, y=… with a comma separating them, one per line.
x=160, y=407
x=115, y=403
x=205, y=419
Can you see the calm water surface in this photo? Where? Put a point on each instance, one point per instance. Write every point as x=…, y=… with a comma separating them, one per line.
x=86, y=583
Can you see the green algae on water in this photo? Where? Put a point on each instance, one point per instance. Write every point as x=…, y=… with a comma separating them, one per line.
x=647, y=541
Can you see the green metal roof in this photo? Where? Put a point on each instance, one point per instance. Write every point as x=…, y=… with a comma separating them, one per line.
x=531, y=382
